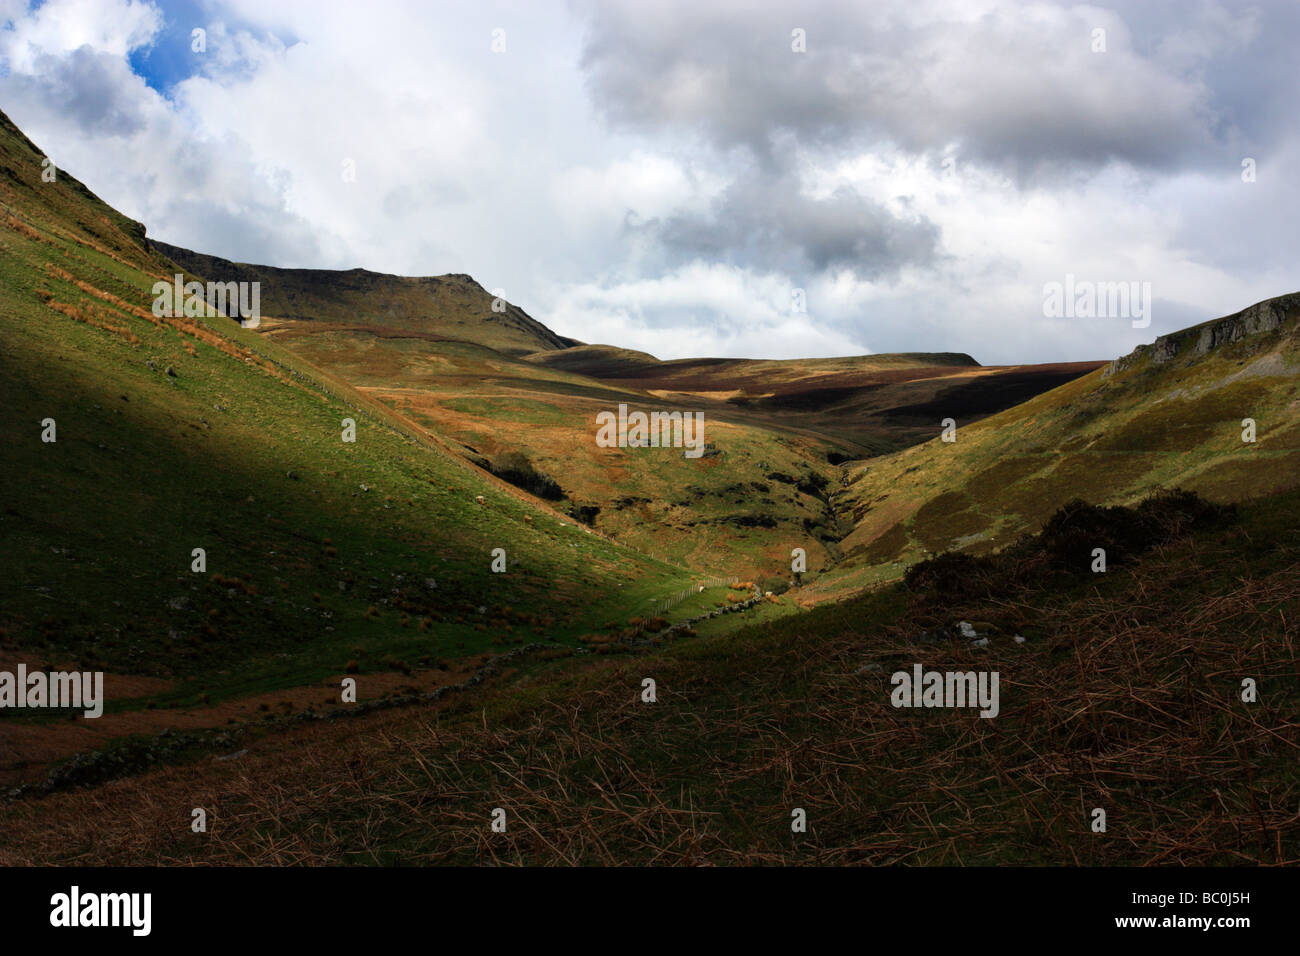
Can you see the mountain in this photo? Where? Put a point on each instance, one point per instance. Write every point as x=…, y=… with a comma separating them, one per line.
x=1171, y=414
x=137, y=438
x=451, y=308
x=500, y=585
x=520, y=401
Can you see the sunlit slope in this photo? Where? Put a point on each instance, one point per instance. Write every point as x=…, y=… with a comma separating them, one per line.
x=865, y=405
x=451, y=307
x=180, y=433
x=776, y=430
x=607, y=361
x=1169, y=415
x=755, y=493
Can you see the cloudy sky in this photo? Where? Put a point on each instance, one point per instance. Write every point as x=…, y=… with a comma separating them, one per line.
x=679, y=176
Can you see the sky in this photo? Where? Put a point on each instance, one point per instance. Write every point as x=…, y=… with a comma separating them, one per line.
x=706, y=177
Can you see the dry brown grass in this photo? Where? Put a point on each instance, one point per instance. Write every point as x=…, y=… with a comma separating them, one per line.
x=1129, y=702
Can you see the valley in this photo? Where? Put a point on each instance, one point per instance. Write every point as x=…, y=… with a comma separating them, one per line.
x=399, y=481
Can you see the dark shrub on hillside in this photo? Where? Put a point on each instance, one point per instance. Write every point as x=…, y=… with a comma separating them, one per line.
x=1066, y=543
x=1071, y=534
x=519, y=471
x=953, y=573
x=586, y=514
x=1174, y=513
x=774, y=584
x=813, y=484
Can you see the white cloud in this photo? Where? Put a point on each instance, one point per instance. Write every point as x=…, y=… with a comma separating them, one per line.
x=115, y=27
x=731, y=173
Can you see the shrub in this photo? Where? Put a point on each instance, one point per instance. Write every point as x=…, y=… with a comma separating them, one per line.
x=515, y=468
x=952, y=573
x=1071, y=534
x=394, y=664
x=1066, y=544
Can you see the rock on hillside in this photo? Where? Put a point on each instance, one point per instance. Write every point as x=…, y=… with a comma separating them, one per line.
x=1267, y=316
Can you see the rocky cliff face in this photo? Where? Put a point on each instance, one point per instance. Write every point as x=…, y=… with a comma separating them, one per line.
x=1267, y=316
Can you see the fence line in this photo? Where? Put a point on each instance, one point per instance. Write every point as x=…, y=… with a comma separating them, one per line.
x=664, y=605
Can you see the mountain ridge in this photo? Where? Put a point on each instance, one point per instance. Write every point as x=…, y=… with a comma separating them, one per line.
x=1267, y=315
x=455, y=303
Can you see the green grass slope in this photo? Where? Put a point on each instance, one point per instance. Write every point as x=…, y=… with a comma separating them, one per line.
x=759, y=491
x=442, y=307
x=1169, y=415
x=181, y=433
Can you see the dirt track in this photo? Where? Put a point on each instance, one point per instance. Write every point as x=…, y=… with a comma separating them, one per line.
x=28, y=750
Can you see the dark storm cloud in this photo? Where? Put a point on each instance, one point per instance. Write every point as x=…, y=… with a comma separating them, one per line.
x=1018, y=87
x=95, y=91
x=764, y=221
x=1243, y=53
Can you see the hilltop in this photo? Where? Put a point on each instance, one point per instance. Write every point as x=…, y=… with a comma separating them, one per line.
x=1171, y=414
x=139, y=438
x=611, y=362
x=451, y=308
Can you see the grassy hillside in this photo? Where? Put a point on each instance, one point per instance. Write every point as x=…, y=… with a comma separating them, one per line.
x=180, y=433
x=1169, y=415
x=1125, y=696
x=777, y=430
x=522, y=690
x=757, y=492
x=451, y=307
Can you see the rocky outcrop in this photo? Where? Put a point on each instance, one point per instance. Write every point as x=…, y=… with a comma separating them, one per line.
x=1262, y=317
